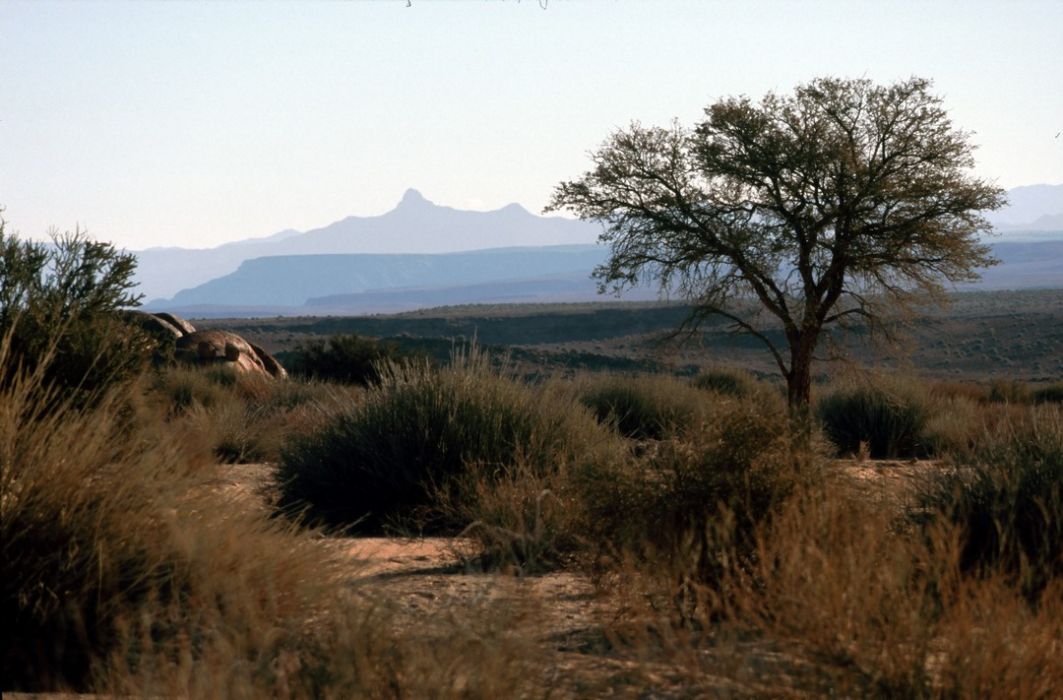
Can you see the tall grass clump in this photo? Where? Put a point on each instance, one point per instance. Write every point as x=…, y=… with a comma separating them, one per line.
x=1008, y=391
x=242, y=417
x=695, y=503
x=890, y=418
x=421, y=427
x=727, y=382
x=117, y=559
x=882, y=613
x=1006, y=496
x=643, y=407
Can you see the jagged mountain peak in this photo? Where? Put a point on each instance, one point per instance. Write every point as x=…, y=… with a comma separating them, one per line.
x=413, y=198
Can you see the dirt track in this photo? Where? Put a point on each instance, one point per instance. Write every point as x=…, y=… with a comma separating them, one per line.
x=430, y=585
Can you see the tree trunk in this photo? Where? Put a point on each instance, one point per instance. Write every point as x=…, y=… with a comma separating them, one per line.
x=799, y=386
x=799, y=379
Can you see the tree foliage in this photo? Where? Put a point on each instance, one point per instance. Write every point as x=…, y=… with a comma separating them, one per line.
x=845, y=201
x=58, y=312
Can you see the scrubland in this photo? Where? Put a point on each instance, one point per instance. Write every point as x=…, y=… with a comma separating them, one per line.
x=722, y=549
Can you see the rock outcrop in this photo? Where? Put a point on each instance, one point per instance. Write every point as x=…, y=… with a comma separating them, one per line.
x=179, y=339
x=222, y=347
x=157, y=327
x=176, y=321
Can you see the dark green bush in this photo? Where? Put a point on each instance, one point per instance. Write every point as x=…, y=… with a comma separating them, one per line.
x=1004, y=391
x=1007, y=497
x=419, y=428
x=60, y=311
x=891, y=422
x=350, y=359
x=1053, y=393
x=643, y=407
x=726, y=382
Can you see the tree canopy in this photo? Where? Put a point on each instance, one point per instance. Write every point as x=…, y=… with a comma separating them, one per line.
x=59, y=307
x=843, y=201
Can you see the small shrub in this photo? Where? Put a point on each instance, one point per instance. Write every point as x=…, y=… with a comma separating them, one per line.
x=243, y=418
x=953, y=425
x=1007, y=498
x=1004, y=391
x=182, y=388
x=891, y=420
x=235, y=432
x=643, y=407
x=698, y=500
x=418, y=429
x=350, y=359
x=726, y=382
x=1053, y=393
x=523, y=518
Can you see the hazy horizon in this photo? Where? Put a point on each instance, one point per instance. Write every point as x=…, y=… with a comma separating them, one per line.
x=198, y=124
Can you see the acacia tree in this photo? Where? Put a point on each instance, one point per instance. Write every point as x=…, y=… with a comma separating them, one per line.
x=842, y=202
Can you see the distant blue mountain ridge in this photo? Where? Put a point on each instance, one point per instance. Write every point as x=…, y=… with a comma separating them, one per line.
x=414, y=226
x=421, y=254
x=292, y=280
x=360, y=284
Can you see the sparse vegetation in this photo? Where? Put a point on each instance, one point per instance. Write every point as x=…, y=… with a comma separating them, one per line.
x=726, y=382
x=889, y=420
x=346, y=358
x=418, y=429
x=643, y=407
x=1007, y=499
x=719, y=548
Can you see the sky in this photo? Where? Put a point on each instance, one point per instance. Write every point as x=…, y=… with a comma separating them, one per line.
x=194, y=123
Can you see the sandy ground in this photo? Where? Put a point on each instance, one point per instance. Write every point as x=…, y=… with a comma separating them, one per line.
x=429, y=586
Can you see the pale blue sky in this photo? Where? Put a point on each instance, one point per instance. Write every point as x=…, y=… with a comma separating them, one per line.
x=197, y=123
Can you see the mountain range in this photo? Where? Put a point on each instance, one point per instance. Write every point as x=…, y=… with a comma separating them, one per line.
x=422, y=254
x=1030, y=208
x=415, y=225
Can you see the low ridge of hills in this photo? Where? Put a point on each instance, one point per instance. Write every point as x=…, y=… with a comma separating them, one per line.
x=421, y=254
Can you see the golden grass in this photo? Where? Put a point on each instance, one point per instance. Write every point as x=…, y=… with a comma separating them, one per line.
x=730, y=561
x=127, y=571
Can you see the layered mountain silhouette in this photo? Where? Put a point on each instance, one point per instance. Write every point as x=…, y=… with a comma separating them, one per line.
x=293, y=280
x=1031, y=208
x=421, y=254
x=415, y=225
